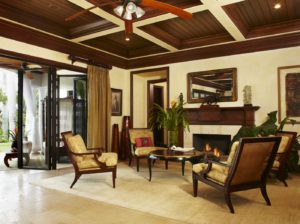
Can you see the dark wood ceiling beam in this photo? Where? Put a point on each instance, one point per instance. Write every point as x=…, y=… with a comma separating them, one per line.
x=277, y=28
x=32, y=20
x=234, y=14
x=202, y=41
x=254, y=45
x=162, y=35
x=91, y=28
x=23, y=34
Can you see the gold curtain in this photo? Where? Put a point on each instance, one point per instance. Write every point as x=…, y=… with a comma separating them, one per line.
x=99, y=107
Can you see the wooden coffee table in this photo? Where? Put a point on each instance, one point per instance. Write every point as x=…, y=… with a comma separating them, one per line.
x=171, y=155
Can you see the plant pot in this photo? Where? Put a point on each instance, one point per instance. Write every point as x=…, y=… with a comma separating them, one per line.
x=173, y=138
x=14, y=144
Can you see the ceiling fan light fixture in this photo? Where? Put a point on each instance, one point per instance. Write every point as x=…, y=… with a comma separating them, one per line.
x=130, y=7
x=139, y=12
x=119, y=10
x=127, y=15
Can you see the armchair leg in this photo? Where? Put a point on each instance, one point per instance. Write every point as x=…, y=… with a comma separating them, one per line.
x=166, y=164
x=228, y=201
x=282, y=178
x=137, y=164
x=130, y=159
x=114, y=176
x=77, y=176
x=195, y=185
x=263, y=191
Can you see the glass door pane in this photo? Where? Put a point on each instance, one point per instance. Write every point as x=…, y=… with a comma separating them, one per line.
x=35, y=118
x=80, y=107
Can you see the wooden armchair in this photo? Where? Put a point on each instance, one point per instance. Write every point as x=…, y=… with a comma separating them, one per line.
x=282, y=157
x=86, y=161
x=141, y=144
x=247, y=167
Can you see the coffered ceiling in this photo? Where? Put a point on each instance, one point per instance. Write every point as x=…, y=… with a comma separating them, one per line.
x=217, y=28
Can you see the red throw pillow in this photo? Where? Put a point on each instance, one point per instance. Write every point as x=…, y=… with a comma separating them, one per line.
x=143, y=142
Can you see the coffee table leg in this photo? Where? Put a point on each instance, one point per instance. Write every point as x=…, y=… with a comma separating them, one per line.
x=182, y=166
x=150, y=168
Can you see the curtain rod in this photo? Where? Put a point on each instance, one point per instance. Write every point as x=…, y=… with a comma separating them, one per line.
x=88, y=61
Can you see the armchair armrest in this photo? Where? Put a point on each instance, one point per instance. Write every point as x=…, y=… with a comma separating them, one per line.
x=99, y=150
x=209, y=166
x=85, y=153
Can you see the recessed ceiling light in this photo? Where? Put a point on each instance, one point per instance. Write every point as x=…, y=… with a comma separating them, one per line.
x=277, y=6
x=127, y=38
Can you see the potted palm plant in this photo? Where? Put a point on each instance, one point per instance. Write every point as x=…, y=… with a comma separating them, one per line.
x=171, y=119
x=14, y=138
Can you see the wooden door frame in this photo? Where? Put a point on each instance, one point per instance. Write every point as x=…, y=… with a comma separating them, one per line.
x=133, y=73
x=148, y=93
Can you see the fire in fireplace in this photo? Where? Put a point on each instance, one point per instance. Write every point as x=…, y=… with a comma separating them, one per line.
x=215, y=143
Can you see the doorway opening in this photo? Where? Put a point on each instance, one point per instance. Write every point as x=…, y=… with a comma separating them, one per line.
x=29, y=113
x=149, y=87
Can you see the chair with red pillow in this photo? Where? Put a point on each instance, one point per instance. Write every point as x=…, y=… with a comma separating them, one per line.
x=141, y=144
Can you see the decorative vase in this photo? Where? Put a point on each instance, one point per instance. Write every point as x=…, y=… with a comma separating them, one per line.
x=172, y=138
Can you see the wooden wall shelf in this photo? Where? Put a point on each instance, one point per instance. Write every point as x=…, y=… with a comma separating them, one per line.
x=214, y=115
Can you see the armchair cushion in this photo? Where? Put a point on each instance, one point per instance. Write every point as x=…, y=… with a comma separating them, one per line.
x=283, y=144
x=218, y=173
x=144, y=151
x=140, y=133
x=88, y=164
x=109, y=158
x=76, y=145
x=233, y=149
x=281, y=149
x=143, y=142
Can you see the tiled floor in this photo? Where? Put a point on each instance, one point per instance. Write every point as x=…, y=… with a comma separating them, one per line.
x=22, y=202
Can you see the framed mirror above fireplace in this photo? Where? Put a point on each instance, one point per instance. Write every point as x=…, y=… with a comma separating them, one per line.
x=218, y=84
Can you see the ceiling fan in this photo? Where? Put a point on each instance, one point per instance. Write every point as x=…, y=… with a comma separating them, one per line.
x=128, y=9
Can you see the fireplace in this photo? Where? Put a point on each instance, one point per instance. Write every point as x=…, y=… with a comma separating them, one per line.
x=215, y=141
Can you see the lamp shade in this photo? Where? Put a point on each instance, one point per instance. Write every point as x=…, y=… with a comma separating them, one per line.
x=131, y=7
x=139, y=12
x=127, y=15
x=119, y=10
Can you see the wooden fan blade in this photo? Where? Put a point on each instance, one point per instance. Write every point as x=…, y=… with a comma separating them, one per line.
x=74, y=16
x=167, y=8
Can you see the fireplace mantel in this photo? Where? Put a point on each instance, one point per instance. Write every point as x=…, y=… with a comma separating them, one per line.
x=215, y=115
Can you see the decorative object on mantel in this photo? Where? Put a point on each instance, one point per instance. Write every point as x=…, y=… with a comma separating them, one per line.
x=247, y=95
x=172, y=119
x=211, y=100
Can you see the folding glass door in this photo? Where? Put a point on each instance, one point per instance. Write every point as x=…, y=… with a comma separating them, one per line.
x=37, y=118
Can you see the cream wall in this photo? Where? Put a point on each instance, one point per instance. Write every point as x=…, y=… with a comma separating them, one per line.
x=140, y=97
x=257, y=69
x=119, y=78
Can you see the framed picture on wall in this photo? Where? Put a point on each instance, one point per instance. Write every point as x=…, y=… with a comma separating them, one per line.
x=289, y=92
x=116, y=102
